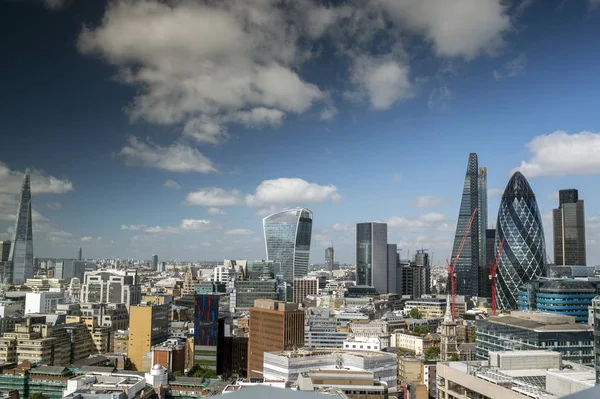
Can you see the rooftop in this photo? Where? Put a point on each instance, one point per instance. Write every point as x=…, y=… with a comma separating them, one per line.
x=325, y=352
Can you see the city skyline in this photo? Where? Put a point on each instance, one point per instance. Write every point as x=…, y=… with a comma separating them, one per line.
x=122, y=169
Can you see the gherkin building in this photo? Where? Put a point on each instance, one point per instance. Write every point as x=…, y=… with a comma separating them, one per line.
x=523, y=256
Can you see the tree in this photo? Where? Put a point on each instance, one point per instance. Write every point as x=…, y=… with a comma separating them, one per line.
x=454, y=358
x=415, y=313
x=421, y=330
x=432, y=353
x=178, y=373
x=201, y=372
x=473, y=335
x=38, y=395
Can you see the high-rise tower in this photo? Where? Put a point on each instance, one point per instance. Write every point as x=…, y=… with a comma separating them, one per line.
x=22, y=251
x=569, y=230
x=372, y=256
x=287, y=240
x=467, y=267
x=329, y=258
x=523, y=257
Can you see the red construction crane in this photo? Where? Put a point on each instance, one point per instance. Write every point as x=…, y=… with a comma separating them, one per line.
x=452, y=267
x=494, y=274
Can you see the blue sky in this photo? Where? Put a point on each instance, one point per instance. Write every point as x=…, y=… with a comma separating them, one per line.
x=173, y=127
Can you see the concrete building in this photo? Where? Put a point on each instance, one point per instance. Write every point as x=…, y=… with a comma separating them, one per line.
x=595, y=324
x=519, y=331
x=245, y=292
x=321, y=330
x=66, y=269
x=274, y=326
x=171, y=354
x=354, y=384
x=111, y=286
x=409, y=369
x=148, y=326
x=303, y=287
x=288, y=365
x=513, y=375
x=329, y=258
x=415, y=343
x=43, y=302
x=569, y=229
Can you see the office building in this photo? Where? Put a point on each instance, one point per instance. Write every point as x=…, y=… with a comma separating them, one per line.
x=162, y=266
x=372, y=266
x=329, y=258
x=321, y=330
x=467, y=266
x=289, y=365
x=303, y=287
x=287, y=240
x=148, y=326
x=569, y=229
x=485, y=283
x=568, y=297
x=482, y=214
x=80, y=254
x=245, y=292
x=43, y=302
x=513, y=375
x=22, y=250
x=519, y=331
x=523, y=256
x=155, y=262
x=111, y=286
x=274, y=326
x=209, y=332
x=5, y=250
x=414, y=278
x=66, y=269
x=595, y=313
x=353, y=384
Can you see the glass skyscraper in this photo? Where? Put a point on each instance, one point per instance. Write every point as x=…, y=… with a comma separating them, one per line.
x=467, y=268
x=287, y=240
x=372, y=256
x=569, y=230
x=523, y=256
x=22, y=251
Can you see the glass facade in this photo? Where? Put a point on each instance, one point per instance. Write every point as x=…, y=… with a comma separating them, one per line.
x=372, y=256
x=287, y=239
x=467, y=266
x=22, y=255
x=596, y=323
x=523, y=256
x=569, y=229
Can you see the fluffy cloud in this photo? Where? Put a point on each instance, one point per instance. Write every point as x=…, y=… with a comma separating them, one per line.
x=459, y=28
x=186, y=225
x=512, y=68
x=214, y=196
x=171, y=184
x=54, y=205
x=216, y=211
x=177, y=157
x=85, y=239
x=427, y=221
x=428, y=201
x=561, y=154
x=239, y=232
x=195, y=224
x=290, y=191
x=11, y=180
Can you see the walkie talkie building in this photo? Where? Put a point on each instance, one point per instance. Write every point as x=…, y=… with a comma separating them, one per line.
x=523, y=256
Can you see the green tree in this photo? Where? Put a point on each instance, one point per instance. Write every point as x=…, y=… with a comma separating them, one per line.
x=432, y=353
x=38, y=395
x=454, y=358
x=201, y=372
x=473, y=335
x=415, y=313
x=178, y=373
x=421, y=330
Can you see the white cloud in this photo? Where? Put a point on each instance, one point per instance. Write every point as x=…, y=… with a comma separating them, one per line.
x=439, y=96
x=383, y=80
x=195, y=224
x=133, y=227
x=459, y=28
x=561, y=154
x=60, y=233
x=428, y=201
x=512, y=68
x=291, y=190
x=10, y=182
x=54, y=205
x=427, y=221
x=85, y=239
x=216, y=211
x=177, y=157
x=494, y=192
x=171, y=184
x=214, y=196
x=160, y=230
x=239, y=232
x=328, y=113
x=266, y=211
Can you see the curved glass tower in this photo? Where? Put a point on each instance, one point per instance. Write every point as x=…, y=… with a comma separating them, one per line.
x=524, y=254
x=287, y=238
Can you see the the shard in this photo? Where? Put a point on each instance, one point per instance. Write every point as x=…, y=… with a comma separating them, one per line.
x=22, y=251
x=523, y=256
x=467, y=266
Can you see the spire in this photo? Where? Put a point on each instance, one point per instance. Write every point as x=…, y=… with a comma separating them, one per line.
x=448, y=314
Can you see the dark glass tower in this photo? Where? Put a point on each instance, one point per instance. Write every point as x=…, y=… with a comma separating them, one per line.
x=523, y=256
x=569, y=230
x=467, y=267
x=22, y=251
x=287, y=239
x=372, y=255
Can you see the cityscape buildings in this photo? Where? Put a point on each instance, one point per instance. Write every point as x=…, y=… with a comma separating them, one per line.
x=208, y=332
x=79, y=254
x=569, y=229
x=467, y=267
x=148, y=326
x=329, y=258
x=287, y=240
x=155, y=262
x=523, y=257
x=22, y=250
x=375, y=267
x=303, y=287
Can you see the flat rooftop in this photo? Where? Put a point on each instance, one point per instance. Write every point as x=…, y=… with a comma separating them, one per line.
x=324, y=352
x=536, y=325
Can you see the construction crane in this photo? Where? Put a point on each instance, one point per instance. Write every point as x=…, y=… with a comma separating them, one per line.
x=494, y=274
x=422, y=250
x=452, y=267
